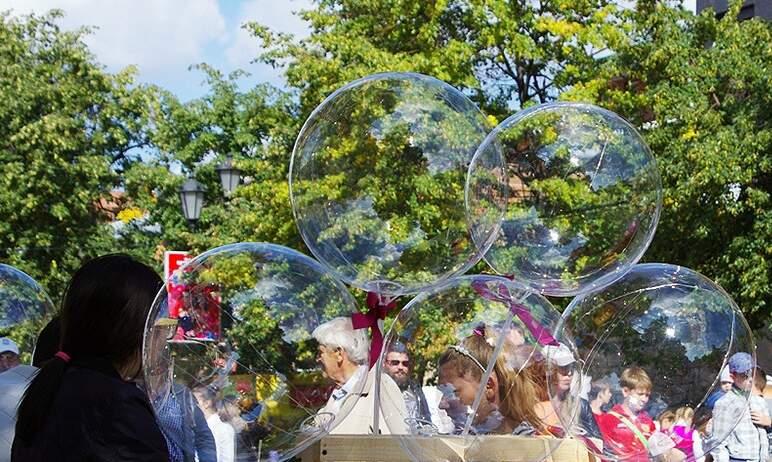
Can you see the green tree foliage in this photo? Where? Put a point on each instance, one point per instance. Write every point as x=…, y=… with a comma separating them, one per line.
x=67, y=131
x=256, y=128
x=699, y=89
x=504, y=53
x=696, y=86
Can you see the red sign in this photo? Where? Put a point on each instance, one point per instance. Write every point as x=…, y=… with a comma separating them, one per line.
x=174, y=260
x=196, y=306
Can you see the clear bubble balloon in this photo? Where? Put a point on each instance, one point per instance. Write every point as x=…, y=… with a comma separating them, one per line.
x=467, y=361
x=583, y=197
x=259, y=338
x=653, y=346
x=377, y=182
x=24, y=309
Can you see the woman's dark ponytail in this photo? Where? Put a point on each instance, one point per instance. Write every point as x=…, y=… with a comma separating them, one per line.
x=41, y=391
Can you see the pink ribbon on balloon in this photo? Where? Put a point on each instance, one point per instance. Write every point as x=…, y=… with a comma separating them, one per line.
x=502, y=294
x=377, y=309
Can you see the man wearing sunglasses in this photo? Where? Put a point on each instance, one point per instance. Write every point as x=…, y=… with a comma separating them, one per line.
x=399, y=367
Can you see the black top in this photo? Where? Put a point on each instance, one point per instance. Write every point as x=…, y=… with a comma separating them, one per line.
x=96, y=416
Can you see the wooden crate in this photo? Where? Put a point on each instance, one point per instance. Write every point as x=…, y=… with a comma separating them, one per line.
x=498, y=448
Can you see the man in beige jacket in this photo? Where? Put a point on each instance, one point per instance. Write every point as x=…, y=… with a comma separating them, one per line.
x=343, y=355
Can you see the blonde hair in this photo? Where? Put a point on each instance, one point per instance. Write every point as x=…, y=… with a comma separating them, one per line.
x=685, y=413
x=516, y=391
x=634, y=378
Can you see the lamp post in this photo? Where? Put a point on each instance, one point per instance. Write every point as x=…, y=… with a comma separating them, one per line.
x=192, y=197
x=229, y=175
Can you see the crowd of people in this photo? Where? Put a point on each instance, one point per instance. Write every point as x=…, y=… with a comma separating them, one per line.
x=521, y=398
x=84, y=397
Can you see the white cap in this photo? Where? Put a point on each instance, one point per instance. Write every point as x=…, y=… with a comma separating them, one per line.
x=559, y=355
x=725, y=377
x=7, y=344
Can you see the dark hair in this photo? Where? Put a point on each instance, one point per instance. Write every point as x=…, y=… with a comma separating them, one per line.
x=103, y=316
x=397, y=347
x=596, y=387
x=48, y=342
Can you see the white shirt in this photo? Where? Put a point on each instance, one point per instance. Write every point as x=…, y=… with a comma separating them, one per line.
x=224, y=438
x=440, y=417
x=13, y=383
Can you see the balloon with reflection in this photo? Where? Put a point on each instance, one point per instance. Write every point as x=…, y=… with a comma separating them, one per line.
x=478, y=368
x=24, y=309
x=377, y=182
x=234, y=328
x=654, y=343
x=583, y=197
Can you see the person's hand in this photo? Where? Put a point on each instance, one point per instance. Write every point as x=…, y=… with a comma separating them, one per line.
x=761, y=419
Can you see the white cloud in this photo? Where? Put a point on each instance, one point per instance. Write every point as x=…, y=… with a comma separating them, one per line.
x=164, y=37
x=279, y=17
x=157, y=36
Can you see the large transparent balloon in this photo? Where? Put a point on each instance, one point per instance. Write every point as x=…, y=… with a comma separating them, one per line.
x=653, y=346
x=584, y=197
x=24, y=309
x=377, y=182
x=259, y=338
x=468, y=361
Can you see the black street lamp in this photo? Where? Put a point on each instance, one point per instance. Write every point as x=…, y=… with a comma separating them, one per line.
x=192, y=197
x=229, y=176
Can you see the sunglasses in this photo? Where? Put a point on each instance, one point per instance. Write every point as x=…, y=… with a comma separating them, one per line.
x=565, y=370
x=397, y=362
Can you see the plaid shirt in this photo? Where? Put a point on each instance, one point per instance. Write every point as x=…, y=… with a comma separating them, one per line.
x=171, y=421
x=758, y=404
x=730, y=441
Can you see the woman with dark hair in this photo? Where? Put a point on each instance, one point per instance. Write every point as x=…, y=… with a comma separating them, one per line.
x=82, y=404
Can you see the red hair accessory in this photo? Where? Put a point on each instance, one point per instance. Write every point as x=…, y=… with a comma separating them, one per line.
x=63, y=356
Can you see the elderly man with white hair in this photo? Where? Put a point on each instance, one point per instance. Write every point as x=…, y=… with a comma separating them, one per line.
x=343, y=355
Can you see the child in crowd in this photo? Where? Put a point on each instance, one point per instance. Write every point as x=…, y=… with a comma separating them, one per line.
x=759, y=405
x=666, y=420
x=686, y=438
x=627, y=430
x=599, y=396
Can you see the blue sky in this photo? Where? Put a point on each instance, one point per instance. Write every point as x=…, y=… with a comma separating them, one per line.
x=163, y=37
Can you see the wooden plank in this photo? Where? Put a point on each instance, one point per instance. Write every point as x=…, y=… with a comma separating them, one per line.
x=311, y=454
x=499, y=448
